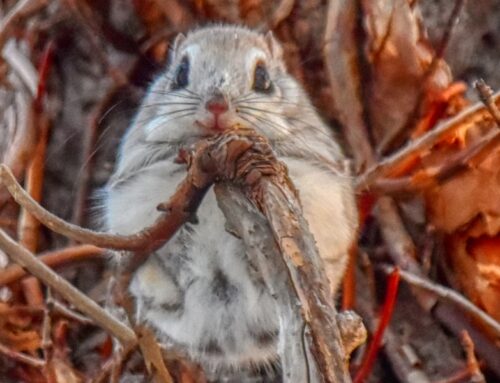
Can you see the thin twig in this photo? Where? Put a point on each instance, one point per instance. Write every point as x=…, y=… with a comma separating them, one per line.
x=458, y=377
x=47, y=344
x=404, y=368
x=32, y=291
x=437, y=108
x=65, y=311
x=344, y=74
x=451, y=296
x=349, y=280
x=53, y=259
x=66, y=290
x=152, y=354
x=402, y=251
x=22, y=66
x=28, y=231
x=486, y=95
x=400, y=245
x=59, y=309
x=476, y=376
x=268, y=187
x=28, y=225
x=23, y=358
x=22, y=10
x=385, y=317
x=112, y=363
x=88, y=153
x=24, y=142
x=431, y=176
x=453, y=319
x=465, y=119
x=187, y=197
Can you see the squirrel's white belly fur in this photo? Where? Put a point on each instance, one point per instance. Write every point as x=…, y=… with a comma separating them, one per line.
x=198, y=291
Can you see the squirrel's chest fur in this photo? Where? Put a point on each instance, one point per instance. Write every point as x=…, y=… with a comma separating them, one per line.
x=199, y=291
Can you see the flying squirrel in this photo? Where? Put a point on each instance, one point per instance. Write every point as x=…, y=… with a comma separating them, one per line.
x=196, y=292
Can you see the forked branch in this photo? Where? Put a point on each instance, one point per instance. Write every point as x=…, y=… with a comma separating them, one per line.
x=90, y=308
x=467, y=118
x=245, y=159
x=180, y=208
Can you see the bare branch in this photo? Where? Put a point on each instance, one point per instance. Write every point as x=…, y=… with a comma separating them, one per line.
x=184, y=203
x=450, y=295
x=53, y=259
x=22, y=66
x=384, y=319
x=23, y=358
x=19, y=151
x=342, y=65
x=486, y=95
x=262, y=251
x=476, y=375
x=66, y=290
x=465, y=119
x=246, y=159
x=434, y=175
x=20, y=11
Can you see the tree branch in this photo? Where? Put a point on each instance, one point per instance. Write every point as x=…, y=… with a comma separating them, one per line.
x=53, y=259
x=247, y=160
x=23, y=358
x=66, y=290
x=178, y=210
x=449, y=295
x=20, y=11
x=465, y=119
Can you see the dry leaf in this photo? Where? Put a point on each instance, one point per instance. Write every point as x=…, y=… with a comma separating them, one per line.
x=469, y=196
x=476, y=262
x=15, y=330
x=399, y=55
x=20, y=340
x=467, y=208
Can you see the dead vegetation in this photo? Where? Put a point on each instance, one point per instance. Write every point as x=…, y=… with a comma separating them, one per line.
x=425, y=274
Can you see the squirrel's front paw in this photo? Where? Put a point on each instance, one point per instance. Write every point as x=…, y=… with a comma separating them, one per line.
x=239, y=155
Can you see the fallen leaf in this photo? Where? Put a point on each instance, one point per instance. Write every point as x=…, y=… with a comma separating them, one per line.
x=399, y=56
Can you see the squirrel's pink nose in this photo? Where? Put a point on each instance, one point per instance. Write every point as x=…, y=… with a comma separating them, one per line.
x=217, y=104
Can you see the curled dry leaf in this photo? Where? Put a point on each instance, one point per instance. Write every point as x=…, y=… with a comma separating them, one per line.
x=476, y=262
x=467, y=208
x=399, y=56
x=15, y=330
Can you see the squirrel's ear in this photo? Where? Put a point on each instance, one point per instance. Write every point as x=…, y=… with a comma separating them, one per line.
x=177, y=43
x=274, y=46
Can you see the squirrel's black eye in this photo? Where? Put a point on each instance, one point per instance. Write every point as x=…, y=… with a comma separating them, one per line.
x=181, y=76
x=261, y=79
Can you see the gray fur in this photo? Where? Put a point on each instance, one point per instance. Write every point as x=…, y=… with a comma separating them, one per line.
x=198, y=291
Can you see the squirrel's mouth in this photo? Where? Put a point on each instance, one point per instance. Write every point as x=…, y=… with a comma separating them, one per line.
x=214, y=125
